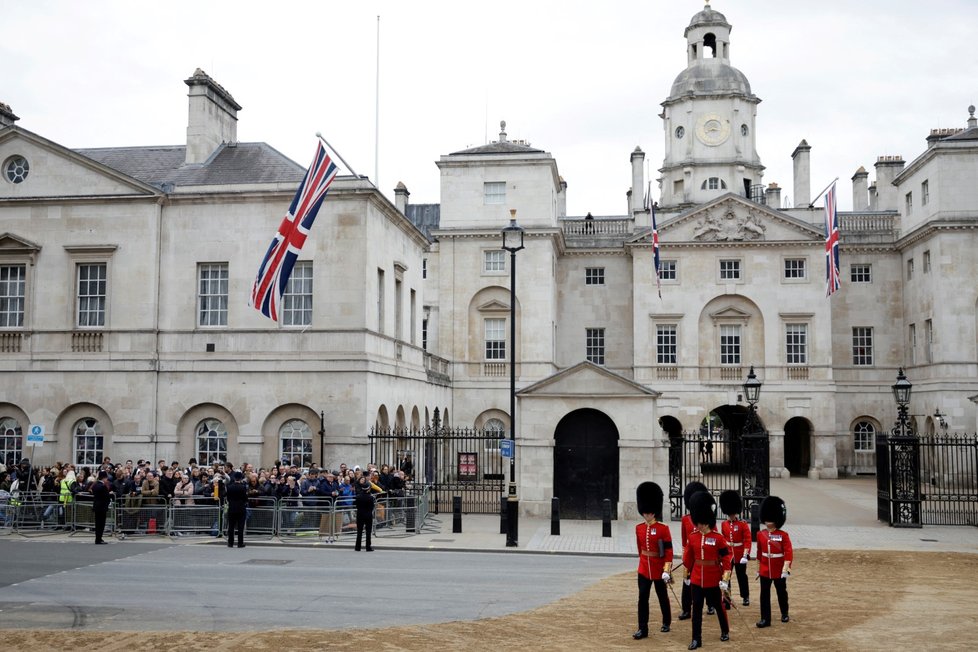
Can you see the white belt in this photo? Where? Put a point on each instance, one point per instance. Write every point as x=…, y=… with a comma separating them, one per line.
x=773, y=554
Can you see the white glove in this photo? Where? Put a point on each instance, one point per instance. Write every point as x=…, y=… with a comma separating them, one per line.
x=666, y=577
x=724, y=586
x=743, y=560
x=686, y=581
x=785, y=574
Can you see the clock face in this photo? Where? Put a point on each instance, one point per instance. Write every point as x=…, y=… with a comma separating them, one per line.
x=712, y=130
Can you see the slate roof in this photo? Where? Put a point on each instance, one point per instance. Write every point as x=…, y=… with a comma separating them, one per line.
x=243, y=163
x=968, y=134
x=424, y=216
x=503, y=147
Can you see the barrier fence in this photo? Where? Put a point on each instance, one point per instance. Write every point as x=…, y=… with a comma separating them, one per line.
x=324, y=519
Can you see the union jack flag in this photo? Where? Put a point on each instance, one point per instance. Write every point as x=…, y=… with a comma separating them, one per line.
x=655, y=252
x=833, y=278
x=276, y=266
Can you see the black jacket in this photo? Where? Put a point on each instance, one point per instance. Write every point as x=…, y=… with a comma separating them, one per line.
x=237, y=497
x=101, y=497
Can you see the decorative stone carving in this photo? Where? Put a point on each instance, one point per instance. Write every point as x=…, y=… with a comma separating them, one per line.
x=729, y=227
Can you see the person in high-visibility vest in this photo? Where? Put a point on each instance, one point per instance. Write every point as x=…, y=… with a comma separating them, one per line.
x=66, y=497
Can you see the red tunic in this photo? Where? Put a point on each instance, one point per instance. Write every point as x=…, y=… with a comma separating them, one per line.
x=687, y=527
x=737, y=534
x=708, y=555
x=773, y=550
x=653, y=558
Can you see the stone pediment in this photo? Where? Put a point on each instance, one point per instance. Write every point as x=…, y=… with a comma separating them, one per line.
x=734, y=219
x=56, y=171
x=493, y=306
x=14, y=246
x=586, y=379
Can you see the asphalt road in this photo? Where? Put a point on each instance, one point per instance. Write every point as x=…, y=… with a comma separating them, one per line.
x=135, y=586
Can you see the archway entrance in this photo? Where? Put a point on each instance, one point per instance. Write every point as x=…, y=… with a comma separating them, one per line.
x=797, y=446
x=585, y=464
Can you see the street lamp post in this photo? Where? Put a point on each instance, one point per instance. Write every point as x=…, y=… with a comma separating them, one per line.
x=901, y=392
x=754, y=454
x=512, y=242
x=903, y=455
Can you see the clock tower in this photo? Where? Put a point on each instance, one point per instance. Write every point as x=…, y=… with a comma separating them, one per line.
x=708, y=120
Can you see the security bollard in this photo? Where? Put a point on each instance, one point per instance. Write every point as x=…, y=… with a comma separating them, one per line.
x=555, y=516
x=606, y=518
x=456, y=514
x=502, y=515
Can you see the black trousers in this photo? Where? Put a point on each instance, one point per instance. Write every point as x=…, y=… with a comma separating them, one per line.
x=781, y=586
x=236, y=523
x=741, y=570
x=686, y=598
x=365, y=521
x=713, y=599
x=100, y=524
x=644, y=590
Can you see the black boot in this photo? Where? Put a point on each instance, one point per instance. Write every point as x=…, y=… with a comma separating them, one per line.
x=684, y=615
x=763, y=623
x=710, y=611
x=784, y=618
x=642, y=633
x=694, y=645
x=724, y=636
x=664, y=629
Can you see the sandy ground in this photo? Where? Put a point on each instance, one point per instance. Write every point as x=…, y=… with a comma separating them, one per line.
x=839, y=601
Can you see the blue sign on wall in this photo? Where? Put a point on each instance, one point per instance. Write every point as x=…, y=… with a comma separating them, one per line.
x=506, y=447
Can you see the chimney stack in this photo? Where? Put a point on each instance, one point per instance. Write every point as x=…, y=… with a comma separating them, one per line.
x=860, y=192
x=7, y=117
x=887, y=169
x=638, y=182
x=772, y=196
x=401, y=195
x=873, y=198
x=213, y=117
x=803, y=174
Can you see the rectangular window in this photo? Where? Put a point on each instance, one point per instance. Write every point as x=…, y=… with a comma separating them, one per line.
x=398, y=309
x=91, y=294
x=493, y=261
x=924, y=192
x=796, y=343
x=729, y=270
x=667, y=270
x=495, y=192
x=595, y=345
x=297, y=299
x=929, y=340
x=424, y=268
x=414, y=316
x=424, y=334
x=380, y=301
x=926, y=262
x=862, y=346
x=909, y=202
x=212, y=294
x=864, y=438
x=12, y=292
x=860, y=273
x=678, y=190
x=730, y=344
x=913, y=344
x=594, y=276
x=495, y=339
x=795, y=268
x=910, y=269
x=666, y=344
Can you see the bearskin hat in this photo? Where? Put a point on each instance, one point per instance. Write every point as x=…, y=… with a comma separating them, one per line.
x=691, y=489
x=649, y=499
x=773, y=510
x=703, y=509
x=731, y=503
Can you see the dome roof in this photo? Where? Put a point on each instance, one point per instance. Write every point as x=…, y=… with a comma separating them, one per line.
x=710, y=77
x=708, y=17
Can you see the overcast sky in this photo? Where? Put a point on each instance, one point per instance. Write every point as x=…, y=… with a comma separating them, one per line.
x=582, y=80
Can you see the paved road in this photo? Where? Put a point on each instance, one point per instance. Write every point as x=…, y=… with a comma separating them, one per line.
x=143, y=586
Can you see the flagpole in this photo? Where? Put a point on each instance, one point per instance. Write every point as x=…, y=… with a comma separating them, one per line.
x=319, y=135
x=812, y=204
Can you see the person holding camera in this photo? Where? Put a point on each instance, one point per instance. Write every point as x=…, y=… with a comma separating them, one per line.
x=237, y=496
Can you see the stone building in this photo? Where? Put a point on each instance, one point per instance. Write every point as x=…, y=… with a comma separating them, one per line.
x=125, y=330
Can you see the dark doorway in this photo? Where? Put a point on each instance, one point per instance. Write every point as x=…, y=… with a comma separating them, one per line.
x=586, y=464
x=797, y=446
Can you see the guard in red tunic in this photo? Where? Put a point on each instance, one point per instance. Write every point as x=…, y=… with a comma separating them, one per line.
x=654, y=557
x=774, y=558
x=707, y=562
x=737, y=533
x=686, y=527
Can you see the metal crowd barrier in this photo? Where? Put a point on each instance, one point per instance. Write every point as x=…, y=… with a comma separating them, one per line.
x=7, y=512
x=38, y=515
x=142, y=516
x=82, y=517
x=261, y=518
x=196, y=516
x=306, y=518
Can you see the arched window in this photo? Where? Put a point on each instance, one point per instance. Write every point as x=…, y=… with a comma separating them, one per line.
x=295, y=443
x=89, y=445
x=495, y=425
x=11, y=441
x=864, y=437
x=212, y=442
x=714, y=183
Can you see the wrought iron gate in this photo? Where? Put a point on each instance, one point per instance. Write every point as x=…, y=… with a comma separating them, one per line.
x=722, y=461
x=458, y=462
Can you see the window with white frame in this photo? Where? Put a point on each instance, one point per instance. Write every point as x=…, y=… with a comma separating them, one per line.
x=862, y=346
x=89, y=444
x=424, y=334
x=211, y=442
x=924, y=192
x=495, y=430
x=795, y=269
x=594, y=276
x=13, y=283
x=666, y=344
x=714, y=183
x=594, y=345
x=495, y=192
x=11, y=442
x=929, y=339
x=295, y=443
x=424, y=268
x=495, y=329
x=860, y=273
x=212, y=294
x=909, y=202
x=730, y=270
x=913, y=343
x=926, y=263
x=92, y=284
x=730, y=344
x=796, y=343
x=297, y=299
x=493, y=261
x=910, y=269
x=667, y=270
x=864, y=437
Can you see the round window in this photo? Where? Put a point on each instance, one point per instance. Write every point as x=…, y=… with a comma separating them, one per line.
x=744, y=130
x=680, y=132
x=16, y=169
